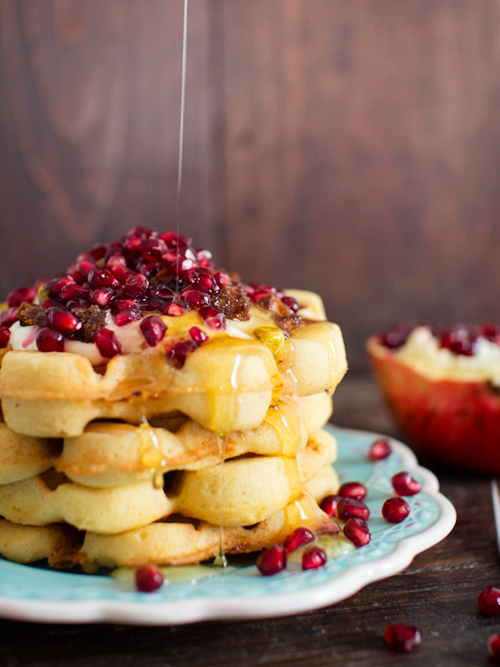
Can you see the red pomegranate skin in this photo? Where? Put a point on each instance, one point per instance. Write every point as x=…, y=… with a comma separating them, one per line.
x=454, y=422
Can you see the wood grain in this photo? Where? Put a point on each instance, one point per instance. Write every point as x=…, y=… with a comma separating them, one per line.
x=348, y=148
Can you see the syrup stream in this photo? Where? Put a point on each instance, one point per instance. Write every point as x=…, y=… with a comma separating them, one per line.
x=182, y=114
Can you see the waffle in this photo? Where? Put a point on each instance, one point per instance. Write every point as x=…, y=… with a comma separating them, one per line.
x=226, y=384
x=154, y=407
x=254, y=488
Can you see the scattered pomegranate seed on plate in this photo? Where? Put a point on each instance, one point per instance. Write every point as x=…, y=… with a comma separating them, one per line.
x=271, y=561
x=313, y=558
x=329, y=504
x=299, y=538
x=379, y=450
x=349, y=508
x=358, y=532
x=148, y=578
x=405, y=485
x=402, y=637
x=395, y=510
x=354, y=490
x=489, y=601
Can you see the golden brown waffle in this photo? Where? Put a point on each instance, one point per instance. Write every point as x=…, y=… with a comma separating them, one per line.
x=226, y=384
x=254, y=487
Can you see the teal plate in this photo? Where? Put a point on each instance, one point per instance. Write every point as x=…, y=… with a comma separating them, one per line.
x=36, y=593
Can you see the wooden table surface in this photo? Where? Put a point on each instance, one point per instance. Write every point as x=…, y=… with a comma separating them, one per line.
x=438, y=593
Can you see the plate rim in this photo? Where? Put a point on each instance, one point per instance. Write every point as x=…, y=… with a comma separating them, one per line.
x=198, y=609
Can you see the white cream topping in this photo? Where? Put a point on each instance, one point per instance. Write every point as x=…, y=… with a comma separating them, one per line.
x=422, y=351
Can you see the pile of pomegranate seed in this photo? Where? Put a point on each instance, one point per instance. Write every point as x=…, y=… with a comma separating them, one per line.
x=459, y=339
x=405, y=485
x=148, y=578
x=271, y=561
x=489, y=601
x=379, y=450
x=141, y=276
x=395, y=510
x=401, y=637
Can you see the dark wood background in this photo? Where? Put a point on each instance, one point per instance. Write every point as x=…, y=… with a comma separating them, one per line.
x=351, y=148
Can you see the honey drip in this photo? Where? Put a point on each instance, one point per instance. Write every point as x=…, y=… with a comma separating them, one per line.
x=220, y=559
x=150, y=453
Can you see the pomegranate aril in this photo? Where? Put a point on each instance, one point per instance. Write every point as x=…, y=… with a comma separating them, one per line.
x=222, y=278
x=73, y=291
x=17, y=297
x=148, y=578
x=174, y=240
x=62, y=320
x=84, y=268
x=214, y=319
x=194, y=297
x=354, y=490
x=460, y=340
x=328, y=528
x=494, y=646
x=126, y=316
x=291, y=303
x=54, y=286
x=395, y=510
x=299, y=538
x=203, y=280
x=349, y=508
x=48, y=340
x=114, y=261
x=489, y=601
x=135, y=285
x=4, y=336
x=102, y=278
x=329, y=504
x=380, y=449
x=313, y=558
x=178, y=353
x=107, y=343
x=358, y=532
x=131, y=245
x=118, y=304
x=102, y=296
x=401, y=637
x=174, y=310
x=98, y=251
x=9, y=316
x=271, y=561
x=153, y=249
x=160, y=291
x=86, y=257
x=198, y=335
x=405, y=485
x=153, y=329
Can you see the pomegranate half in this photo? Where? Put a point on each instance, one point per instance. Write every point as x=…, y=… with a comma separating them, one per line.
x=452, y=416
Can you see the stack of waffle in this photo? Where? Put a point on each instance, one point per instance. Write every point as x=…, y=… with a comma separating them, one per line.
x=140, y=460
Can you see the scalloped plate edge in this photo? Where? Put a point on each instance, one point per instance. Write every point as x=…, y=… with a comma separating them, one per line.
x=199, y=609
